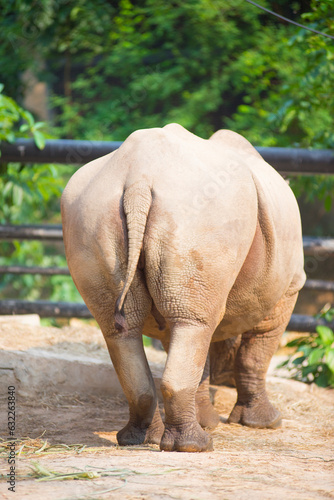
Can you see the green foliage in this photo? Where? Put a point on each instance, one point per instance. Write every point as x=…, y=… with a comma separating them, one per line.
x=313, y=187
x=117, y=66
x=30, y=195
x=204, y=64
x=150, y=69
x=29, y=192
x=113, y=67
x=308, y=106
x=17, y=122
x=313, y=360
x=290, y=102
x=309, y=103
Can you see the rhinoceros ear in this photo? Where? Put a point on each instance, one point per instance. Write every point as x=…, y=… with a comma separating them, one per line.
x=120, y=321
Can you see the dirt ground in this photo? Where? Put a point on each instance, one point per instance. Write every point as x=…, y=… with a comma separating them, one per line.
x=293, y=462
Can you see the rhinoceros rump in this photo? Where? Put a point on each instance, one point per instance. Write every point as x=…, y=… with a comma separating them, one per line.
x=205, y=237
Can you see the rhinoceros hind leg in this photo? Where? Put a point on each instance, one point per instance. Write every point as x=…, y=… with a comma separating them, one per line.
x=253, y=407
x=257, y=347
x=129, y=359
x=206, y=415
x=179, y=386
x=260, y=414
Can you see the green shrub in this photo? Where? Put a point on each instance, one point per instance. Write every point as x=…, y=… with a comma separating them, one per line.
x=30, y=195
x=313, y=360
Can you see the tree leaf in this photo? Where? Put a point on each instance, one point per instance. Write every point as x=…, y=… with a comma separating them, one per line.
x=24, y=127
x=10, y=137
x=284, y=363
x=316, y=355
x=38, y=125
x=322, y=380
x=297, y=342
x=299, y=360
x=7, y=188
x=28, y=116
x=329, y=360
x=17, y=195
x=329, y=315
x=305, y=349
x=39, y=139
x=306, y=370
x=326, y=334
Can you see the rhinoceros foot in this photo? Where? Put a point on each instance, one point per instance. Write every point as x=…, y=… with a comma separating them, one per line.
x=190, y=438
x=133, y=434
x=207, y=416
x=258, y=413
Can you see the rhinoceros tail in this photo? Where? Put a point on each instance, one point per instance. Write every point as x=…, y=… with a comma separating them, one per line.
x=137, y=201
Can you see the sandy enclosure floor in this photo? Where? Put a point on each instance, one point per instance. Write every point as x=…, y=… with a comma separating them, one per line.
x=293, y=462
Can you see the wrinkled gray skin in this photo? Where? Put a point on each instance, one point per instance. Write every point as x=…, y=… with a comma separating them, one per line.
x=204, y=236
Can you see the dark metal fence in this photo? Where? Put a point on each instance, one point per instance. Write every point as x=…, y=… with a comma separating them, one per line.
x=285, y=160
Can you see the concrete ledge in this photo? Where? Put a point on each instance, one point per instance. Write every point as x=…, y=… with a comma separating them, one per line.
x=38, y=371
x=23, y=319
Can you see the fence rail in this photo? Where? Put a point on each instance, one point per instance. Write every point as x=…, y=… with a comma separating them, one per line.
x=316, y=285
x=45, y=309
x=285, y=160
x=312, y=245
x=47, y=271
x=318, y=247
x=49, y=232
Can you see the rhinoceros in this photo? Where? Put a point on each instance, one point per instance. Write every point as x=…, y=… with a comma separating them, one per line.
x=203, y=236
